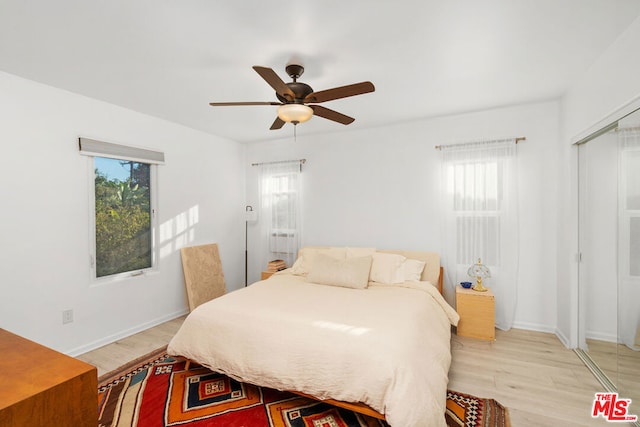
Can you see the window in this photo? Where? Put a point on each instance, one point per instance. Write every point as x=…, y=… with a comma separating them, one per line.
x=284, y=200
x=477, y=188
x=280, y=205
x=123, y=210
x=122, y=216
x=480, y=218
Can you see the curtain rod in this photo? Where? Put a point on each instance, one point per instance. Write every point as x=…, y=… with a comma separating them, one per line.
x=517, y=139
x=302, y=162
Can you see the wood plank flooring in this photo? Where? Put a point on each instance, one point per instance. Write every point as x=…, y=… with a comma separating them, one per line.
x=621, y=365
x=112, y=356
x=531, y=373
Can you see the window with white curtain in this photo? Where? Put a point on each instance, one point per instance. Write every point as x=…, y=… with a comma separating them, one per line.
x=283, y=203
x=480, y=218
x=280, y=203
x=477, y=204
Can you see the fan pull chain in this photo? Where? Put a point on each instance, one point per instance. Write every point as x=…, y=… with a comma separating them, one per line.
x=295, y=133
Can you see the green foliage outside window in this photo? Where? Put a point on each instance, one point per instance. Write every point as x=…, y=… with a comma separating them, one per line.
x=123, y=221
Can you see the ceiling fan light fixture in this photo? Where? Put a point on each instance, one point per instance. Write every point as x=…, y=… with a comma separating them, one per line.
x=294, y=113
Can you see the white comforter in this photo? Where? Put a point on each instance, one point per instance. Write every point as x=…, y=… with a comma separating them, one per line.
x=385, y=346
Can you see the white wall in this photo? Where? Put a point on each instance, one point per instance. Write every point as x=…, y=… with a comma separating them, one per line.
x=380, y=187
x=609, y=84
x=609, y=88
x=44, y=220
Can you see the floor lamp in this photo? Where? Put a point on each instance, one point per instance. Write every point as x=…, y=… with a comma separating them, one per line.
x=249, y=216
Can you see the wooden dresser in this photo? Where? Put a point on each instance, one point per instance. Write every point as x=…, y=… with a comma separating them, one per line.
x=477, y=313
x=42, y=387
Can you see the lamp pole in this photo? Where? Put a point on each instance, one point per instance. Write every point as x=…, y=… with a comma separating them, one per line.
x=247, y=209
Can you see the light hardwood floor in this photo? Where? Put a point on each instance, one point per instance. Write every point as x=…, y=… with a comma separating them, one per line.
x=112, y=356
x=531, y=373
x=621, y=365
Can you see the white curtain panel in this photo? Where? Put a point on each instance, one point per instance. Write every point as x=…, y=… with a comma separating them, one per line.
x=481, y=219
x=629, y=236
x=280, y=206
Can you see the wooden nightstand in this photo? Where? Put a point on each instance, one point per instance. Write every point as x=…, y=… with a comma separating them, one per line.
x=477, y=314
x=265, y=275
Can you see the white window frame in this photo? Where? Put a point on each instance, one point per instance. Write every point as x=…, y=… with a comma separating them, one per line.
x=92, y=149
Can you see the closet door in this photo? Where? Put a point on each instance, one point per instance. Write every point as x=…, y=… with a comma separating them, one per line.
x=609, y=272
x=598, y=236
x=628, y=133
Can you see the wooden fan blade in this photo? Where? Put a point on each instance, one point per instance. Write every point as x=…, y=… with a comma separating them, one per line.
x=275, y=82
x=277, y=124
x=231, y=104
x=327, y=113
x=340, y=92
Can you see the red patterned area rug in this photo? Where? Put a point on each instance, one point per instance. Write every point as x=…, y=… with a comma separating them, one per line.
x=157, y=391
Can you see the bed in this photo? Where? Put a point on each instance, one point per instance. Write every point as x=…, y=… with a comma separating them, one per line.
x=363, y=328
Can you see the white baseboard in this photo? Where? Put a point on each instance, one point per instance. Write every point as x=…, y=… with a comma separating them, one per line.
x=534, y=327
x=124, y=334
x=563, y=338
x=544, y=328
x=602, y=336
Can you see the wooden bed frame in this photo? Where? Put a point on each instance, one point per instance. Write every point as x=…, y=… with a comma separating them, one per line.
x=360, y=408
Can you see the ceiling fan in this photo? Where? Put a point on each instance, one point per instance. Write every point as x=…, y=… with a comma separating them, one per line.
x=297, y=99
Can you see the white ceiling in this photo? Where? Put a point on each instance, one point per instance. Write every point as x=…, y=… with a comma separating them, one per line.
x=169, y=58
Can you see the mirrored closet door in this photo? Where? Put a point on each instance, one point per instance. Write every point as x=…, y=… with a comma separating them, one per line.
x=609, y=241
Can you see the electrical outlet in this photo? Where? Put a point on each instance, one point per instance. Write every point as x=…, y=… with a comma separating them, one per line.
x=67, y=316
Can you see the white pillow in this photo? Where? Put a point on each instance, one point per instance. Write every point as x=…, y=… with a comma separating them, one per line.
x=347, y=272
x=412, y=270
x=306, y=258
x=300, y=266
x=387, y=268
x=358, y=252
